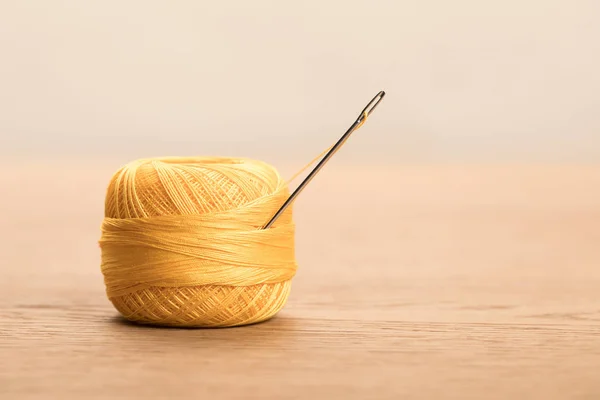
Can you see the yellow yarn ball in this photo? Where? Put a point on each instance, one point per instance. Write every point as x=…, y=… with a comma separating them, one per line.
x=183, y=245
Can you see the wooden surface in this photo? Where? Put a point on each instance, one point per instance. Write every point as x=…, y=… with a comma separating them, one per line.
x=420, y=282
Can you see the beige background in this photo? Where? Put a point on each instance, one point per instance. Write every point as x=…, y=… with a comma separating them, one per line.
x=449, y=251
x=467, y=80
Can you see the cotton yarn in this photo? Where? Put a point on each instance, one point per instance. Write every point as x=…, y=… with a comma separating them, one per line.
x=182, y=242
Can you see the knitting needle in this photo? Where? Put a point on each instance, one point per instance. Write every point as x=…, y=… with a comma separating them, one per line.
x=357, y=124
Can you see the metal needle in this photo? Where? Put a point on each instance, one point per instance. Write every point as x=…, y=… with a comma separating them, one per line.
x=357, y=124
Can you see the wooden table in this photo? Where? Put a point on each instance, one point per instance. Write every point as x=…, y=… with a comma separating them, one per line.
x=420, y=282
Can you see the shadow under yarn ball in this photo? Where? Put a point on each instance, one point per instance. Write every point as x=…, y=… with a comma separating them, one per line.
x=182, y=242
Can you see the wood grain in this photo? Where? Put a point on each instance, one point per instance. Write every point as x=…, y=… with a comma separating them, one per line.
x=446, y=282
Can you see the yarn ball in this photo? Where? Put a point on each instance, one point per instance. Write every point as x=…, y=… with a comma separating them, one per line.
x=182, y=242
